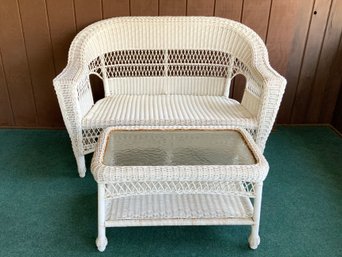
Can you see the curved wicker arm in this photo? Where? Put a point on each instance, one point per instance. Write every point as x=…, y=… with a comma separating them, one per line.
x=262, y=97
x=75, y=98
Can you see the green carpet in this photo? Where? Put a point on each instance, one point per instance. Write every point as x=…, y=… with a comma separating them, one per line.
x=47, y=210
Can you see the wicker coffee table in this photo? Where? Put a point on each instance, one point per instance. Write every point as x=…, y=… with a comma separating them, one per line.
x=178, y=177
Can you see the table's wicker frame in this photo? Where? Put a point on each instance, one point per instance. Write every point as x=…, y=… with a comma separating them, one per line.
x=250, y=177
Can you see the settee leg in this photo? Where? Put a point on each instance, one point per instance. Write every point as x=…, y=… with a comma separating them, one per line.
x=81, y=166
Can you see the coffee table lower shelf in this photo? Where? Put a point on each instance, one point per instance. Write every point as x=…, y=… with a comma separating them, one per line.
x=178, y=209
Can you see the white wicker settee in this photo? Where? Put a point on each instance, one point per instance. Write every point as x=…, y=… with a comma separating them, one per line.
x=166, y=71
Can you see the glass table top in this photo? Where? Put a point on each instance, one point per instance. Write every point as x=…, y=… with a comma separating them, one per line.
x=177, y=147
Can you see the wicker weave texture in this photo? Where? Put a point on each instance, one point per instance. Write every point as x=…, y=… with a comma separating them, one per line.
x=143, y=59
x=178, y=206
x=172, y=175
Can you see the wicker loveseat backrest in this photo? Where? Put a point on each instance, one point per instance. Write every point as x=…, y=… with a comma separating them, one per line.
x=167, y=55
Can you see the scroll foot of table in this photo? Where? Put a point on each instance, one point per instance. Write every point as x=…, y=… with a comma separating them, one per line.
x=101, y=243
x=254, y=241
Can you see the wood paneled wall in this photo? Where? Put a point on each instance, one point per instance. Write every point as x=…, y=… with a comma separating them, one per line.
x=337, y=119
x=303, y=38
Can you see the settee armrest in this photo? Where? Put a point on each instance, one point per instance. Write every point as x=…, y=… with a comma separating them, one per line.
x=75, y=99
x=262, y=97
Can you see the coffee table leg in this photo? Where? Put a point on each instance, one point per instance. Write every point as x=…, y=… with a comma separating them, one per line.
x=254, y=239
x=101, y=241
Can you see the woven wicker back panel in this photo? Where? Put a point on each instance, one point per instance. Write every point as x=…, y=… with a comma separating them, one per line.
x=196, y=72
x=166, y=51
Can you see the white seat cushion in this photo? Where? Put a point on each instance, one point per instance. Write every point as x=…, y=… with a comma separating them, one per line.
x=167, y=110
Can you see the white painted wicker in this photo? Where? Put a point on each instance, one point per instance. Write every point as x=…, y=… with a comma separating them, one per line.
x=166, y=71
x=178, y=177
